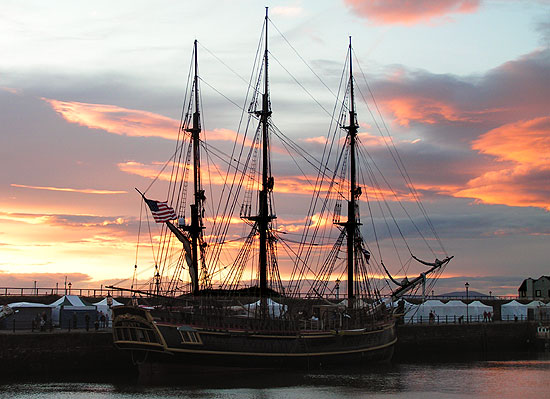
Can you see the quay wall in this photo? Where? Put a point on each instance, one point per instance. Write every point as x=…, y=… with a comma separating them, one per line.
x=78, y=351
x=456, y=341
x=60, y=352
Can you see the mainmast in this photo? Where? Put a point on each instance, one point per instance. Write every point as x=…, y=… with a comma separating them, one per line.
x=263, y=218
x=355, y=191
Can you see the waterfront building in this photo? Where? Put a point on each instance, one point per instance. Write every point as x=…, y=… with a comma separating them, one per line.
x=535, y=289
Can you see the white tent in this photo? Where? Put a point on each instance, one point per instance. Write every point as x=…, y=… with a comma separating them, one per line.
x=444, y=312
x=28, y=315
x=535, y=304
x=421, y=313
x=476, y=310
x=69, y=300
x=75, y=305
x=103, y=307
x=453, y=310
x=513, y=309
x=17, y=305
x=275, y=309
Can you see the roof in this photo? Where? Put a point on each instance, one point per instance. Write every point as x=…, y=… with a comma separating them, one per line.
x=28, y=305
x=70, y=300
x=523, y=286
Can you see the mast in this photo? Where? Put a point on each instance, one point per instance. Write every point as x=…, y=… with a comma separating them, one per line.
x=196, y=227
x=267, y=181
x=355, y=192
x=263, y=218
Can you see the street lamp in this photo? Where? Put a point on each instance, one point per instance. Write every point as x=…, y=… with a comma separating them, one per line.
x=467, y=316
x=337, y=289
x=70, y=284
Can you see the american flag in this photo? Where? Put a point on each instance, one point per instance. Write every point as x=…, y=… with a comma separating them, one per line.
x=161, y=211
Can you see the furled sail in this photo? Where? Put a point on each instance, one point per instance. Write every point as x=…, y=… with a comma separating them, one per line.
x=187, y=247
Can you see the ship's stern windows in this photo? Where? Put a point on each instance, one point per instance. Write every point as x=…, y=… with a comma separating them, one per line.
x=189, y=336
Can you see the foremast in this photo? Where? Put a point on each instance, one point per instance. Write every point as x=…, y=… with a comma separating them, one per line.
x=193, y=242
x=198, y=193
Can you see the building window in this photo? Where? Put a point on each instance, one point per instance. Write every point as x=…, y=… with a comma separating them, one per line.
x=537, y=293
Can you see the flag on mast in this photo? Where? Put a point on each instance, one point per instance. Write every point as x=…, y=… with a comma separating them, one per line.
x=161, y=211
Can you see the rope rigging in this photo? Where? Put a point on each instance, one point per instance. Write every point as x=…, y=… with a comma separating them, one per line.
x=245, y=182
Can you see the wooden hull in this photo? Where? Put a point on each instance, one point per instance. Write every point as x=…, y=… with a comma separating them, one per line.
x=169, y=343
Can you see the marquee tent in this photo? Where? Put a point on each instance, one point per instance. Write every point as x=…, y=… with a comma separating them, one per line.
x=476, y=310
x=275, y=309
x=513, y=309
x=103, y=307
x=70, y=311
x=421, y=313
x=27, y=315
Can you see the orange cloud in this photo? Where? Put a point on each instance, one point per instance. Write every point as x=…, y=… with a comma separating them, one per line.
x=10, y=90
x=407, y=12
x=525, y=142
x=64, y=221
x=426, y=110
x=523, y=149
x=316, y=140
x=117, y=120
x=71, y=190
x=128, y=122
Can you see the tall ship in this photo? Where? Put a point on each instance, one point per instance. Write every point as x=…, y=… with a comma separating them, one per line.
x=230, y=289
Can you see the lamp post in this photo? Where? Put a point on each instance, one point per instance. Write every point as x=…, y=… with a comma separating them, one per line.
x=467, y=315
x=337, y=289
x=70, y=284
x=14, y=313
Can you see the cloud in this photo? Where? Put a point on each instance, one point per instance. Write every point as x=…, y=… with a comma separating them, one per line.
x=131, y=122
x=426, y=110
x=10, y=90
x=489, y=132
x=407, y=12
x=523, y=180
x=43, y=280
x=74, y=221
x=117, y=120
x=71, y=190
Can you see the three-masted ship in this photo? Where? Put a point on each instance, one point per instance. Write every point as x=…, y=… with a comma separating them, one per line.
x=267, y=323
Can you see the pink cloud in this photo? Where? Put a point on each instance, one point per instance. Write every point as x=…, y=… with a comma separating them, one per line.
x=497, y=125
x=117, y=120
x=409, y=12
x=71, y=190
x=128, y=122
x=523, y=151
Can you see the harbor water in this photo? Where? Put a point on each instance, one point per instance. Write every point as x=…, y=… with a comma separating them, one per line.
x=527, y=378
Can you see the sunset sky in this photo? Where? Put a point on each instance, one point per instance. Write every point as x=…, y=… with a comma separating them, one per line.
x=91, y=96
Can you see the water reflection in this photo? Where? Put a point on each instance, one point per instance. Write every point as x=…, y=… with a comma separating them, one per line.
x=486, y=379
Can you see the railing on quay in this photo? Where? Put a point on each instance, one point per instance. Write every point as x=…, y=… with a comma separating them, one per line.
x=471, y=319
x=102, y=292
x=85, y=292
